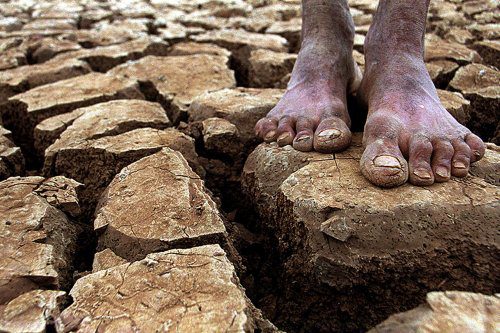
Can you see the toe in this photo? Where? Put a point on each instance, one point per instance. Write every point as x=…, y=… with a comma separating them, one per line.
x=304, y=139
x=477, y=147
x=461, y=159
x=332, y=135
x=266, y=128
x=441, y=160
x=383, y=164
x=285, y=132
x=420, y=153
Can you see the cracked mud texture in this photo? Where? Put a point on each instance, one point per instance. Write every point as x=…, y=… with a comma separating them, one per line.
x=97, y=121
x=190, y=48
x=220, y=136
x=479, y=84
x=178, y=80
x=243, y=107
x=103, y=58
x=441, y=72
x=24, y=111
x=11, y=158
x=455, y=104
x=488, y=167
x=65, y=101
x=39, y=243
x=20, y=79
x=106, y=259
x=338, y=233
x=108, y=137
x=32, y=312
x=184, y=290
x=447, y=312
x=241, y=43
x=269, y=69
x=223, y=124
x=176, y=211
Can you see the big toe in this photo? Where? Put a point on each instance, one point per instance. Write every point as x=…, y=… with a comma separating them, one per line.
x=383, y=164
x=332, y=135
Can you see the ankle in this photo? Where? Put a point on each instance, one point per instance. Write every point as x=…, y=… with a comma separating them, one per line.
x=327, y=21
x=399, y=26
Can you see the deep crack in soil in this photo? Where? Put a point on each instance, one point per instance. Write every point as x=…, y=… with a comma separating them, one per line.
x=169, y=208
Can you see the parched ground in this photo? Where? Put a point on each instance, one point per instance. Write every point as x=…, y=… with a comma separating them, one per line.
x=135, y=197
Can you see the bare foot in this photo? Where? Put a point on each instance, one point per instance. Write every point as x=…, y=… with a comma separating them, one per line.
x=408, y=133
x=312, y=113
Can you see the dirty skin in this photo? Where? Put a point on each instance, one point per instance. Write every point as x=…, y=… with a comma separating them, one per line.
x=408, y=135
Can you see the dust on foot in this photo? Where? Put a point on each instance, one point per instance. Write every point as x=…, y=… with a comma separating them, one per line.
x=312, y=114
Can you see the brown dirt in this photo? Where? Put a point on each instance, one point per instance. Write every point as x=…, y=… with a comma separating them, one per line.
x=140, y=199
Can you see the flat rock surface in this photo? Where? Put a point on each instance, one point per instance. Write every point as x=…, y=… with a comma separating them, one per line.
x=175, y=211
x=241, y=42
x=180, y=79
x=182, y=290
x=38, y=240
x=449, y=311
x=339, y=226
x=288, y=29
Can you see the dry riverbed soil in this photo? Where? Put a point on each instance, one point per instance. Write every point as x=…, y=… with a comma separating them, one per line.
x=135, y=197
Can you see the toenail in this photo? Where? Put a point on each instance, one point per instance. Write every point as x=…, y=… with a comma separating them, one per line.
x=270, y=135
x=422, y=174
x=303, y=138
x=387, y=161
x=442, y=172
x=459, y=165
x=330, y=134
x=283, y=137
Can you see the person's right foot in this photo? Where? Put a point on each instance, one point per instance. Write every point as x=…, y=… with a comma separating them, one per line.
x=312, y=114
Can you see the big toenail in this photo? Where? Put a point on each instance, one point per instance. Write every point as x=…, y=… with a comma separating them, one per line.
x=387, y=161
x=270, y=135
x=442, y=172
x=330, y=134
x=283, y=137
x=303, y=138
x=422, y=174
x=459, y=165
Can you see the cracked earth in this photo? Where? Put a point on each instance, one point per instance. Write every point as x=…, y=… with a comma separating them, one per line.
x=135, y=197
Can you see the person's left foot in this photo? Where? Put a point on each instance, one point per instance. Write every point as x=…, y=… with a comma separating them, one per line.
x=408, y=135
